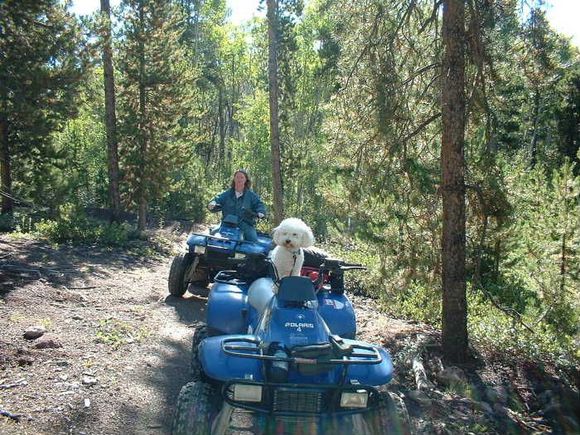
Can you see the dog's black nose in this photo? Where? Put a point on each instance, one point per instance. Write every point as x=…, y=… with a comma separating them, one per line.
x=288, y=241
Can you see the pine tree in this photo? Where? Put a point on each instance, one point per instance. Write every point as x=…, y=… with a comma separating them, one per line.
x=110, y=111
x=40, y=69
x=454, y=315
x=274, y=115
x=156, y=97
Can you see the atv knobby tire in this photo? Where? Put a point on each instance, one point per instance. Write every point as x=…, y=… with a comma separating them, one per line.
x=177, y=274
x=392, y=416
x=195, y=410
x=196, y=370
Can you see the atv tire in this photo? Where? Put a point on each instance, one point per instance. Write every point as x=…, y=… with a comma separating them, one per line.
x=196, y=369
x=392, y=415
x=195, y=410
x=177, y=273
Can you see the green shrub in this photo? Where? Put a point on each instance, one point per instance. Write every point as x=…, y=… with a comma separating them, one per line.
x=494, y=329
x=419, y=302
x=72, y=225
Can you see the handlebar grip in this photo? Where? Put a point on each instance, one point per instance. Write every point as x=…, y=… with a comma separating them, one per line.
x=354, y=267
x=345, y=264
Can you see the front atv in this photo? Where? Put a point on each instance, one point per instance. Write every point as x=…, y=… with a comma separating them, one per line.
x=289, y=360
x=207, y=254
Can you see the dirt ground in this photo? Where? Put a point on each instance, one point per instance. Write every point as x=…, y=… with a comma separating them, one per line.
x=114, y=352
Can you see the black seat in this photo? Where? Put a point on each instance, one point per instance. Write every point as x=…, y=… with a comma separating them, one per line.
x=296, y=289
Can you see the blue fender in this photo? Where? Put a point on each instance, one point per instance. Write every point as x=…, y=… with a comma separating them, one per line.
x=217, y=365
x=338, y=313
x=253, y=248
x=227, y=309
x=196, y=240
x=372, y=374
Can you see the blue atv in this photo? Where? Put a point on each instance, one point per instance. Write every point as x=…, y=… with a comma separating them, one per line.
x=206, y=254
x=284, y=348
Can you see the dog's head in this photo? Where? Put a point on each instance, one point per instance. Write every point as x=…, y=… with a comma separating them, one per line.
x=293, y=233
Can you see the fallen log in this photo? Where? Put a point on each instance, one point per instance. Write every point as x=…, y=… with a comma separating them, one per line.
x=421, y=380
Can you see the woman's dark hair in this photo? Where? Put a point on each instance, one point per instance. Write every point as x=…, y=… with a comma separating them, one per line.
x=248, y=182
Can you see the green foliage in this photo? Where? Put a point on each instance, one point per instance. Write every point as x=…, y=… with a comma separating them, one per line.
x=81, y=177
x=72, y=225
x=155, y=101
x=496, y=331
x=40, y=72
x=539, y=250
x=186, y=196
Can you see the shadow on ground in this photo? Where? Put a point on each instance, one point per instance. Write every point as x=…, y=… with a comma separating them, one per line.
x=23, y=261
x=169, y=371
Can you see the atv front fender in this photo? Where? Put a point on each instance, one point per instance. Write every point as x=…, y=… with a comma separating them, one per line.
x=219, y=366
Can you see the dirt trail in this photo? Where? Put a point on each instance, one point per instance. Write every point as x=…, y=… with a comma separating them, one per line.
x=121, y=344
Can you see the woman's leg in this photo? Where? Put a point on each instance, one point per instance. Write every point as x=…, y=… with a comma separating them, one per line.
x=250, y=233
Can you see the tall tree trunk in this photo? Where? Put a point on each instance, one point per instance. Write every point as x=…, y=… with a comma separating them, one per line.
x=454, y=314
x=535, y=126
x=110, y=117
x=274, y=121
x=5, y=169
x=222, y=124
x=143, y=137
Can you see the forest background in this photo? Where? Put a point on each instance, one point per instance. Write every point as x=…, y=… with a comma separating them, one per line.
x=360, y=141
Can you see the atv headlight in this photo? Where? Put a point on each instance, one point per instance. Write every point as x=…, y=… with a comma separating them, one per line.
x=247, y=393
x=199, y=249
x=239, y=256
x=354, y=399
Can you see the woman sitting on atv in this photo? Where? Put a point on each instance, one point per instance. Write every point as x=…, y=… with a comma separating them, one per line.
x=239, y=200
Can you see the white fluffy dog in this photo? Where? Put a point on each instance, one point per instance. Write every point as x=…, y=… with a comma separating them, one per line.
x=290, y=237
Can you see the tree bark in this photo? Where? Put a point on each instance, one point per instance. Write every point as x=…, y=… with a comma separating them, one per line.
x=110, y=116
x=5, y=169
x=143, y=179
x=454, y=307
x=274, y=121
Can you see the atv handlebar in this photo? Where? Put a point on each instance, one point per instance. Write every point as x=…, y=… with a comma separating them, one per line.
x=334, y=269
x=245, y=212
x=334, y=265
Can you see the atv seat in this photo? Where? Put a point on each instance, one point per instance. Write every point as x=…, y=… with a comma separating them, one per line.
x=296, y=291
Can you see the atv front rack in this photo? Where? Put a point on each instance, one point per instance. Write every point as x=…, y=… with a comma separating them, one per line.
x=371, y=356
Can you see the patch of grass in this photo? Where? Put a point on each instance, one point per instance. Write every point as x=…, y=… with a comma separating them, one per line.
x=18, y=235
x=116, y=333
x=463, y=389
x=47, y=323
x=17, y=317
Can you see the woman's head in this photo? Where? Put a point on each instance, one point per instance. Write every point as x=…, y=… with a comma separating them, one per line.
x=241, y=180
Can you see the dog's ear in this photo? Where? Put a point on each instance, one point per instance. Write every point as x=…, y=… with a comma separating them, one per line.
x=307, y=238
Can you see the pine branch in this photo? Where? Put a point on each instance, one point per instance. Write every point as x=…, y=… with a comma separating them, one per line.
x=477, y=280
